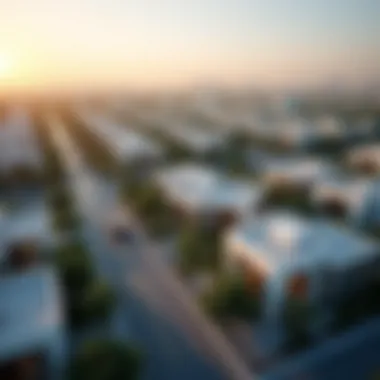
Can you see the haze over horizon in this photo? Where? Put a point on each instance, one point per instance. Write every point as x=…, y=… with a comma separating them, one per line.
x=166, y=43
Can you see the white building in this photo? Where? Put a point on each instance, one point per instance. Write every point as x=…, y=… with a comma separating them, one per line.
x=296, y=133
x=32, y=320
x=201, y=191
x=29, y=223
x=330, y=128
x=287, y=255
x=18, y=145
x=295, y=171
x=365, y=158
x=300, y=133
x=357, y=200
x=128, y=145
x=197, y=140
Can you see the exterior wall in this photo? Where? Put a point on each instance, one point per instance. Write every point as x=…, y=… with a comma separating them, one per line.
x=57, y=355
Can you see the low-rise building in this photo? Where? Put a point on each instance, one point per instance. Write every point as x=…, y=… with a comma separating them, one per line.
x=19, y=149
x=284, y=255
x=365, y=158
x=296, y=134
x=330, y=128
x=197, y=140
x=294, y=172
x=198, y=190
x=356, y=200
x=128, y=145
x=352, y=355
x=28, y=225
x=32, y=325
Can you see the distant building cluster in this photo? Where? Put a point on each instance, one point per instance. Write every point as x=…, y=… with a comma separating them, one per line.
x=33, y=329
x=18, y=145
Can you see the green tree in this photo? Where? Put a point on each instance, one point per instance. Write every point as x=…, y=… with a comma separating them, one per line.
x=106, y=360
x=297, y=321
x=231, y=297
x=150, y=206
x=199, y=249
x=149, y=201
x=59, y=197
x=97, y=301
x=65, y=219
x=75, y=267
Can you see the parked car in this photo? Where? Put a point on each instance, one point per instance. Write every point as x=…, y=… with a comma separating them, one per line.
x=122, y=234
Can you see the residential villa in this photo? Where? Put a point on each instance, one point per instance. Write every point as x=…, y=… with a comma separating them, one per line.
x=200, y=191
x=330, y=127
x=33, y=337
x=356, y=200
x=294, y=172
x=18, y=145
x=28, y=225
x=283, y=255
x=197, y=140
x=128, y=145
x=365, y=158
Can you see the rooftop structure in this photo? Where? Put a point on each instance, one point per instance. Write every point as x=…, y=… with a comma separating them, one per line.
x=281, y=240
x=356, y=199
x=330, y=127
x=127, y=144
x=202, y=190
x=28, y=223
x=295, y=170
x=281, y=249
x=365, y=157
x=18, y=144
x=31, y=318
x=196, y=139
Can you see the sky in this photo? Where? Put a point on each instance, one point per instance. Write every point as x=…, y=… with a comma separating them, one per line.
x=154, y=43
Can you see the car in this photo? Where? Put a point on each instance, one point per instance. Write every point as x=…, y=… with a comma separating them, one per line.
x=121, y=234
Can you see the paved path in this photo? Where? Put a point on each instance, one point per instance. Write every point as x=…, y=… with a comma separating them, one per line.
x=154, y=308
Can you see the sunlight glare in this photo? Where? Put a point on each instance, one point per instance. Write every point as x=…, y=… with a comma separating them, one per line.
x=5, y=66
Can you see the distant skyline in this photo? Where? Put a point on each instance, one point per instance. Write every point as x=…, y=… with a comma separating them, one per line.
x=141, y=43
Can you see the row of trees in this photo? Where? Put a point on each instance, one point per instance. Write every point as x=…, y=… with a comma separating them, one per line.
x=106, y=360
x=97, y=154
x=89, y=300
x=150, y=206
x=199, y=249
x=230, y=297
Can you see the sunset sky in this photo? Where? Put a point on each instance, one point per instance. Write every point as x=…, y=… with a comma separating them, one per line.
x=47, y=43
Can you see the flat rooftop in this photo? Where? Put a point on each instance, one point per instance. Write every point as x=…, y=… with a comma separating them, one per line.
x=18, y=144
x=203, y=188
x=199, y=140
x=30, y=311
x=298, y=168
x=280, y=238
x=124, y=141
x=30, y=221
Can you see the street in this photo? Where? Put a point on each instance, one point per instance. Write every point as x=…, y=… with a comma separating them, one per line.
x=154, y=309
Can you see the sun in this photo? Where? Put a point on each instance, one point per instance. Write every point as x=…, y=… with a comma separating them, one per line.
x=5, y=66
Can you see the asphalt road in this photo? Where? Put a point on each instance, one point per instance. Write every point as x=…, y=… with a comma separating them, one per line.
x=153, y=310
